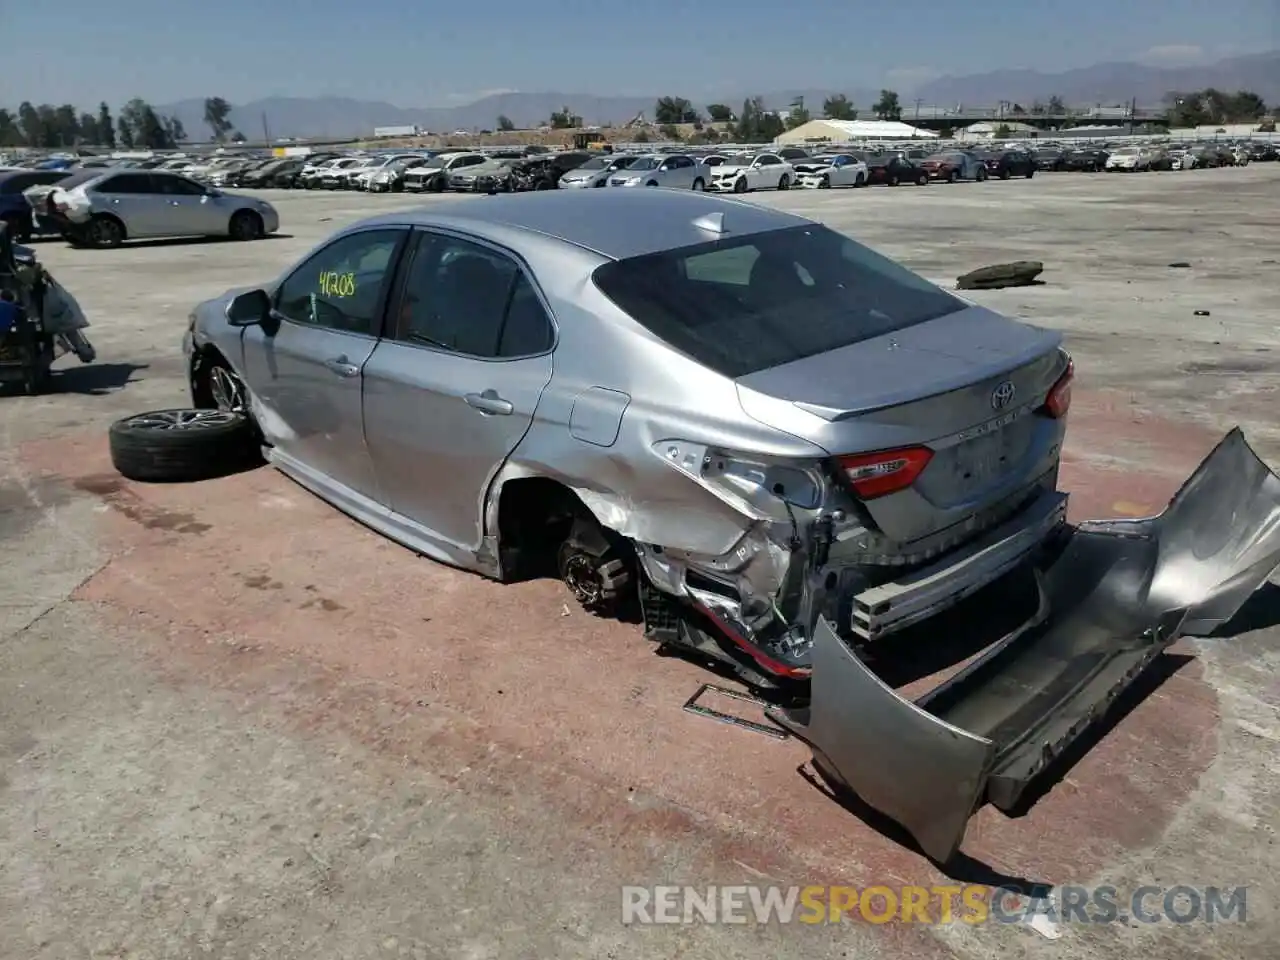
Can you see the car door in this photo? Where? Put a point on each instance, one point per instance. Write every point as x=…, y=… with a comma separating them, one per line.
x=187, y=209
x=770, y=172
x=129, y=197
x=305, y=367
x=453, y=388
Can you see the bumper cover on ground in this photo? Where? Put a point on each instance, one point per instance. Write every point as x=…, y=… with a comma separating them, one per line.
x=1118, y=593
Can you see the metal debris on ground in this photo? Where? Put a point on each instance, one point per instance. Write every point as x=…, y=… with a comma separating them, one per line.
x=767, y=729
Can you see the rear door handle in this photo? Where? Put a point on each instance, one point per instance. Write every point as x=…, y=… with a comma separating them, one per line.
x=489, y=402
x=342, y=367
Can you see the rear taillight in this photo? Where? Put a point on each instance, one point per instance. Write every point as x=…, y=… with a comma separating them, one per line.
x=1058, y=402
x=875, y=474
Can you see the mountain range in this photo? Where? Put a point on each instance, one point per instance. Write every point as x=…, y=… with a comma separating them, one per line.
x=1106, y=83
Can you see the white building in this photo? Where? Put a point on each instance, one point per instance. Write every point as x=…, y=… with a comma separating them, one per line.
x=843, y=131
x=986, y=130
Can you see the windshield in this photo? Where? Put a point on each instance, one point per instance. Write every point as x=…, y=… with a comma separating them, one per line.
x=646, y=163
x=1126, y=152
x=596, y=163
x=739, y=160
x=738, y=306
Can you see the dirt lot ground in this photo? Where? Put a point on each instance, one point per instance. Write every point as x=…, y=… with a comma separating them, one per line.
x=235, y=724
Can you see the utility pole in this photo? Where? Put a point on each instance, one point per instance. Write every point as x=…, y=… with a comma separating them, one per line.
x=266, y=132
x=918, y=102
x=1133, y=113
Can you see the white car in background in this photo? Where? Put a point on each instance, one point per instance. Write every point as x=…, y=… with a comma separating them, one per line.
x=1129, y=159
x=383, y=167
x=831, y=170
x=677, y=170
x=752, y=171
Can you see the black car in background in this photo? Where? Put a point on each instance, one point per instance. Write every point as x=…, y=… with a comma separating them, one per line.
x=1051, y=158
x=1009, y=163
x=286, y=175
x=1086, y=160
x=252, y=175
x=544, y=172
x=1263, y=153
x=893, y=169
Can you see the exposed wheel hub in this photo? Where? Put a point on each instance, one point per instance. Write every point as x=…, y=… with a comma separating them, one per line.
x=581, y=574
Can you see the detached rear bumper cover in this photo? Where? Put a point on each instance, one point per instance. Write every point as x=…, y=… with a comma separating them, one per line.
x=1116, y=596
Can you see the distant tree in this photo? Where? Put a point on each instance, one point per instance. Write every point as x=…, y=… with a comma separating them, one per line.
x=106, y=129
x=237, y=136
x=565, y=119
x=88, y=125
x=67, y=123
x=1212, y=106
x=216, y=112
x=838, y=107
x=669, y=131
x=173, y=130
x=799, y=114
x=642, y=136
x=1038, y=109
x=10, y=132
x=888, y=106
x=719, y=113
x=1056, y=107
x=505, y=124
x=29, y=122
x=124, y=133
x=50, y=131
x=1018, y=110
x=1003, y=132
x=674, y=110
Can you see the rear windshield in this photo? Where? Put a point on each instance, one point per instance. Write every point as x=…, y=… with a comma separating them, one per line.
x=739, y=306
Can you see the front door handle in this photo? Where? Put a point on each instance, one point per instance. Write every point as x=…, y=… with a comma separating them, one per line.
x=342, y=367
x=489, y=402
x=175, y=203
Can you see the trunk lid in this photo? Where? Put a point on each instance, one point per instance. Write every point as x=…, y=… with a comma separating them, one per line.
x=967, y=385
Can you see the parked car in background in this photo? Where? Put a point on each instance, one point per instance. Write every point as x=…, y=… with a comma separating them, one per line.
x=434, y=175
x=390, y=178
x=309, y=178
x=793, y=154
x=752, y=171
x=493, y=174
x=109, y=207
x=596, y=171
x=1086, y=160
x=831, y=170
x=544, y=172
x=892, y=169
x=363, y=179
x=1004, y=164
x=678, y=170
x=285, y=176
x=1051, y=158
x=1263, y=153
x=953, y=165
x=1129, y=160
x=15, y=212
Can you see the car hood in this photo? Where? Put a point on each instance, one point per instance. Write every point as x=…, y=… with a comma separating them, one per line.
x=729, y=168
x=813, y=167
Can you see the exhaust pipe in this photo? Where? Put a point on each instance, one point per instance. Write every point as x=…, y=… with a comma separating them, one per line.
x=1118, y=594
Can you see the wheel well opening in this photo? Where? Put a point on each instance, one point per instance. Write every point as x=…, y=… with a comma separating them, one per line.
x=201, y=394
x=124, y=231
x=535, y=515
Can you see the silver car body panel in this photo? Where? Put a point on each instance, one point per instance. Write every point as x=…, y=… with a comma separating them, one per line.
x=1113, y=596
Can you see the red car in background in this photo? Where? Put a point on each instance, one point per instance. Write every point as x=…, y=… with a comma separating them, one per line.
x=954, y=165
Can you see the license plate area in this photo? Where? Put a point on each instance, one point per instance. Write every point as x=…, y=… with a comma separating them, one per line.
x=963, y=471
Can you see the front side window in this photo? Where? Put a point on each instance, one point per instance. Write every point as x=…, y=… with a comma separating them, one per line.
x=176, y=186
x=341, y=286
x=771, y=298
x=129, y=183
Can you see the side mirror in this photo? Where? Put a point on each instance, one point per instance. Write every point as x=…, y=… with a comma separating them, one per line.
x=213, y=194
x=249, y=309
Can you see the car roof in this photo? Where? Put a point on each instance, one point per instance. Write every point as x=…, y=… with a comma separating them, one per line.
x=617, y=224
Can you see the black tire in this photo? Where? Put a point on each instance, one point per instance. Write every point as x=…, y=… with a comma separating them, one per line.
x=981, y=176
x=105, y=231
x=698, y=185
x=740, y=185
x=437, y=184
x=893, y=180
x=953, y=176
x=1005, y=174
x=245, y=225
x=182, y=446
x=825, y=183
x=784, y=182
x=596, y=568
x=922, y=180
x=860, y=181
x=19, y=227
x=1031, y=173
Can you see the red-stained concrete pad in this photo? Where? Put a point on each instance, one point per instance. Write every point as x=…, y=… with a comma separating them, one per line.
x=238, y=576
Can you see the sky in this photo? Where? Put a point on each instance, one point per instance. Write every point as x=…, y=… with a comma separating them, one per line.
x=449, y=53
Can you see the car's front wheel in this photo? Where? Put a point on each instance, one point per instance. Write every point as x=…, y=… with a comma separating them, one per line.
x=596, y=568
x=784, y=182
x=181, y=446
x=698, y=185
x=740, y=185
x=245, y=225
x=105, y=231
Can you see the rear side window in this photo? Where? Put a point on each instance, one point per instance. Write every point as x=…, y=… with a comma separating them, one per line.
x=126, y=183
x=772, y=298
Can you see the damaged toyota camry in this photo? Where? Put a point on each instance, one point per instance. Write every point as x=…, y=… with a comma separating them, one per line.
x=783, y=447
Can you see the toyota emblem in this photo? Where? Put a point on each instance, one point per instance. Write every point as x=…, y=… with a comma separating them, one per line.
x=1002, y=395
